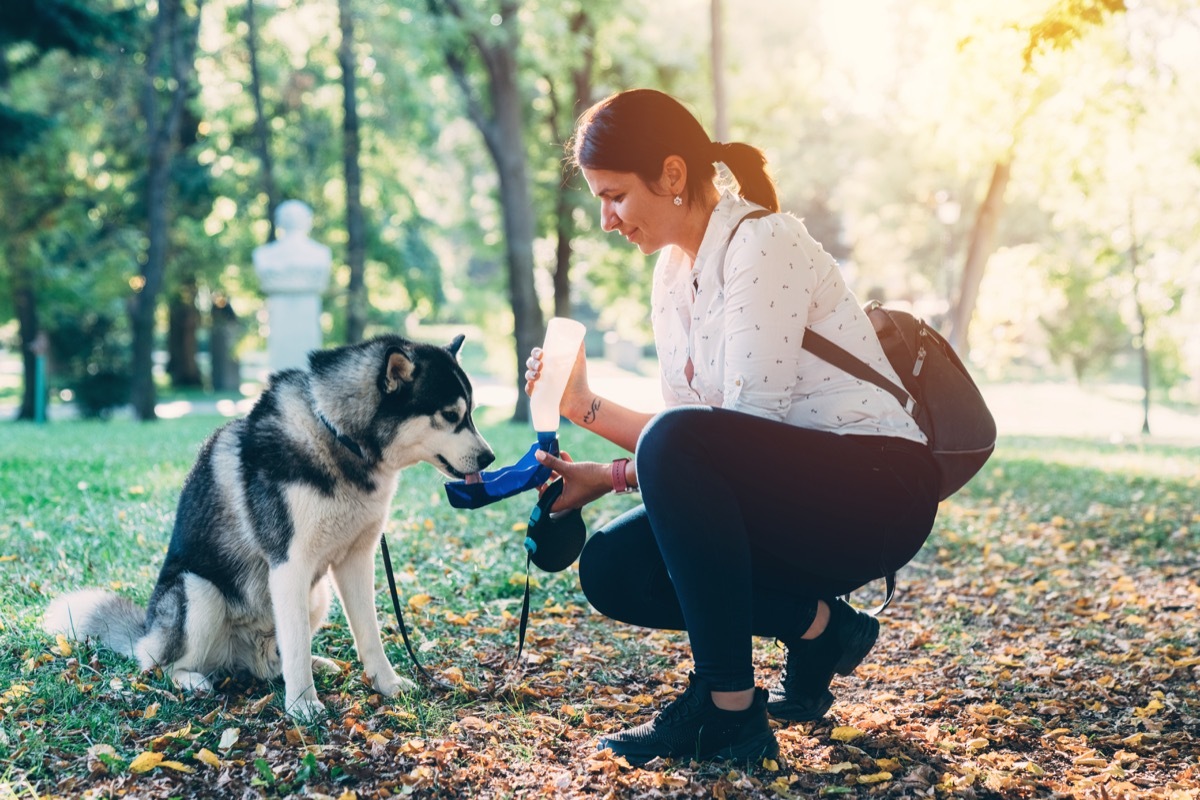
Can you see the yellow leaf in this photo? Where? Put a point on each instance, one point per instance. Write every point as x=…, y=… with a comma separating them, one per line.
x=642, y=700
x=770, y=764
x=64, y=645
x=145, y=762
x=229, y=738
x=978, y=744
x=1151, y=708
x=151, y=711
x=568, y=711
x=1135, y=740
x=888, y=764
x=838, y=768
x=348, y=795
x=137, y=489
x=878, y=777
x=6, y=559
x=208, y=757
x=845, y=734
x=1034, y=769
x=258, y=705
x=178, y=767
x=419, y=601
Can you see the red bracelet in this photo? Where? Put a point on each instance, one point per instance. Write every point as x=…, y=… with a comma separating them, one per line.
x=620, y=484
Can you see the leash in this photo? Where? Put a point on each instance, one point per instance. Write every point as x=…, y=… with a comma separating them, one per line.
x=387, y=565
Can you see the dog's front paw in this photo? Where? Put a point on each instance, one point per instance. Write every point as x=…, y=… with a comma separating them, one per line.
x=305, y=708
x=390, y=684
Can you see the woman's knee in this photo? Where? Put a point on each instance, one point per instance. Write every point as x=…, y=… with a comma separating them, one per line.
x=600, y=574
x=668, y=437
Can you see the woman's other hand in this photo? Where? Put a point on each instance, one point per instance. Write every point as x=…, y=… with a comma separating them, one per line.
x=583, y=481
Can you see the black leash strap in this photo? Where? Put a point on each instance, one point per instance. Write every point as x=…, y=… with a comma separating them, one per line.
x=387, y=565
x=524, y=611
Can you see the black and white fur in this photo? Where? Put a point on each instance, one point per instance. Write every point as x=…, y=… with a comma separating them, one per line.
x=280, y=501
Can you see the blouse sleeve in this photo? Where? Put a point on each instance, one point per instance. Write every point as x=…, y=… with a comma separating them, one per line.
x=772, y=270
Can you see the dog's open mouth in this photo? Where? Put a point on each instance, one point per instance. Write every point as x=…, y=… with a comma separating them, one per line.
x=473, y=477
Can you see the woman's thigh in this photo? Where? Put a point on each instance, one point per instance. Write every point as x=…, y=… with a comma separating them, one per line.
x=819, y=509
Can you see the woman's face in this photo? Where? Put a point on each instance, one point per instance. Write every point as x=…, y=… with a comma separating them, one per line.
x=630, y=207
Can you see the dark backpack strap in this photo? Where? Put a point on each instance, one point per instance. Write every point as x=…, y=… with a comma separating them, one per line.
x=757, y=214
x=827, y=351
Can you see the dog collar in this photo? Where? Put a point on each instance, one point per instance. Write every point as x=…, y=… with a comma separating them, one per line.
x=345, y=440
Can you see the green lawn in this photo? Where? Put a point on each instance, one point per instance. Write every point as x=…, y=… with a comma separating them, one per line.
x=1043, y=644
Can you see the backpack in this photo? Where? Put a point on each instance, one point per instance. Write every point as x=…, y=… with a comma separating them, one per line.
x=938, y=391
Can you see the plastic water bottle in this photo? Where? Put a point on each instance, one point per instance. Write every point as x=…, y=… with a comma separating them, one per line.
x=559, y=351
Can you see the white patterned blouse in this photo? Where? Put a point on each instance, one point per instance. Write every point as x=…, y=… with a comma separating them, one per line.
x=728, y=329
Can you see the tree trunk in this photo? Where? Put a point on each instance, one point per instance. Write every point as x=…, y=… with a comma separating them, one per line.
x=174, y=38
x=183, y=341
x=356, y=247
x=262, y=135
x=720, y=113
x=222, y=341
x=560, y=131
x=25, y=305
x=1139, y=341
x=516, y=200
x=502, y=129
x=982, y=244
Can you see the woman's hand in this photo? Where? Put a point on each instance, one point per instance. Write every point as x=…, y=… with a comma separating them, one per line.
x=583, y=481
x=576, y=395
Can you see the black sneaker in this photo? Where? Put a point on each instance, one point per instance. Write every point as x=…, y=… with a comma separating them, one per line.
x=803, y=692
x=692, y=727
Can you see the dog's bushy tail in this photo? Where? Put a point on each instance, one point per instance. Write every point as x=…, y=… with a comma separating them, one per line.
x=98, y=614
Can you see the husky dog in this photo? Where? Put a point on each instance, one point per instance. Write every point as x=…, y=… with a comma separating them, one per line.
x=296, y=491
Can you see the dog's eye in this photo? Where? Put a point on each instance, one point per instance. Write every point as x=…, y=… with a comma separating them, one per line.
x=451, y=416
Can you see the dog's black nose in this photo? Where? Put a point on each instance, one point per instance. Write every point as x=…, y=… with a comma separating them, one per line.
x=485, y=459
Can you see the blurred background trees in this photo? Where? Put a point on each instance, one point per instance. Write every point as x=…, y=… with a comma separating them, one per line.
x=1021, y=173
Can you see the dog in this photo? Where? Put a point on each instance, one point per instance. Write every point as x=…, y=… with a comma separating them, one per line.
x=280, y=501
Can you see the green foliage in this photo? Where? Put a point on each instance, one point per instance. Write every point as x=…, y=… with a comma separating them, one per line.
x=1086, y=330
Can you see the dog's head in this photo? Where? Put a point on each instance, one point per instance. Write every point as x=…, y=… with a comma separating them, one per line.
x=402, y=402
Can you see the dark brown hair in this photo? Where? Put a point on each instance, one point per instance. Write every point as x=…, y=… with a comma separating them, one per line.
x=635, y=131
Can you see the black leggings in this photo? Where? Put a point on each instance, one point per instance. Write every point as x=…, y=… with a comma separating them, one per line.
x=747, y=522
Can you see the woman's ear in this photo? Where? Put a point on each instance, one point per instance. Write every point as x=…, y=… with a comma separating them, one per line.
x=674, y=175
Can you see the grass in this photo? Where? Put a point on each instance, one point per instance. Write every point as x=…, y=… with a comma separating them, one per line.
x=1059, y=576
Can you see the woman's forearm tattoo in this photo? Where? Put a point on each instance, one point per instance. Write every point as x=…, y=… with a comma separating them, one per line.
x=590, y=416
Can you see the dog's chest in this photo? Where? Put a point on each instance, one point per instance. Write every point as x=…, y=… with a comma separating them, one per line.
x=327, y=527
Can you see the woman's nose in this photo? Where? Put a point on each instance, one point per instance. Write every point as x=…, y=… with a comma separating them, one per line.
x=609, y=221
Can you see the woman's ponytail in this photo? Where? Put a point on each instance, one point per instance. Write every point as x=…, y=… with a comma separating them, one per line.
x=749, y=167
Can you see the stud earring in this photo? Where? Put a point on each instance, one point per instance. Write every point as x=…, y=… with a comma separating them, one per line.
x=678, y=200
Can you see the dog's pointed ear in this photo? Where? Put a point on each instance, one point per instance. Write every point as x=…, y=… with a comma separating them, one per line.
x=399, y=371
x=455, y=345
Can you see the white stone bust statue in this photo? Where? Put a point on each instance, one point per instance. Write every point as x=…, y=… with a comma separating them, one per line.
x=293, y=263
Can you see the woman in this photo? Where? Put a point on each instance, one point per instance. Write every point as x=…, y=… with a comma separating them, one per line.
x=774, y=482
